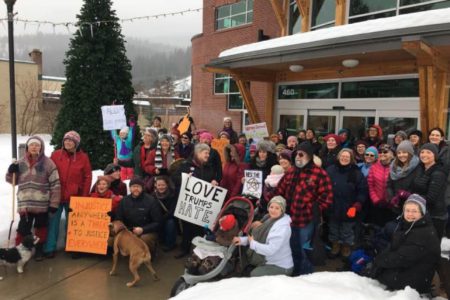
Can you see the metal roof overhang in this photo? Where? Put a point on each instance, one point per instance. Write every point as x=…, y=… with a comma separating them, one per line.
x=436, y=35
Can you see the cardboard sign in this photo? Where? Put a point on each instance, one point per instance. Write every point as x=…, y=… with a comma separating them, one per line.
x=219, y=145
x=253, y=183
x=199, y=201
x=113, y=117
x=184, y=125
x=256, y=131
x=88, y=225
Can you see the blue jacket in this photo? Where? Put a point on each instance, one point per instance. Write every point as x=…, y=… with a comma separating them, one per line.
x=349, y=187
x=124, y=148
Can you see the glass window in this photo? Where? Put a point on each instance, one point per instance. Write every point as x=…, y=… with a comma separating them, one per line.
x=424, y=7
x=232, y=15
x=357, y=125
x=225, y=85
x=309, y=91
x=235, y=101
x=323, y=13
x=371, y=17
x=391, y=125
x=359, y=7
x=295, y=20
x=292, y=123
x=381, y=88
x=322, y=125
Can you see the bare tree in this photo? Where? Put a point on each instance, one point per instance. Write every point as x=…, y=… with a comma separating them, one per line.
x=31, y=91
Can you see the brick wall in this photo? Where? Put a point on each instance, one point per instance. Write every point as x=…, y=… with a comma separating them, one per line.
x=208, y=109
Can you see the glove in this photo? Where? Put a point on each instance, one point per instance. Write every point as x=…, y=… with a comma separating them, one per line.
x=52, y=211
x=403, y=195
x=132, y=121
x=351, y=212
x=13, y=168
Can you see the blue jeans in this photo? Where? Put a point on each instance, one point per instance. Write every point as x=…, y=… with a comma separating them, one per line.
x=53, y=227
x=301, y=236
x=341, y=232
x=170, y=232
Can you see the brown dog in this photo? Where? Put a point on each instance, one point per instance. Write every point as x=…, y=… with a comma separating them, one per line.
x=130, y=245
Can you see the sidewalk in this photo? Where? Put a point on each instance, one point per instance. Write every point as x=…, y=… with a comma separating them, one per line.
x=88, y=278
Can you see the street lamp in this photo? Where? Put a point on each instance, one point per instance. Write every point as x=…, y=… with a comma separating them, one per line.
x=12, y=83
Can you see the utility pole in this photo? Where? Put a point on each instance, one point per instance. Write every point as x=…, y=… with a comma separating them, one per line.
x=12, y=79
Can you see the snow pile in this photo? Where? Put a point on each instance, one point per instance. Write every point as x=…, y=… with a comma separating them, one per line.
x=414, y=20
x=445, y=248
x=317, y=286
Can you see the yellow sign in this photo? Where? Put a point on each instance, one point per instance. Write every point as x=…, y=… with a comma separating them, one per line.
x=219, y=145
x=88, y=225
x=184, y=125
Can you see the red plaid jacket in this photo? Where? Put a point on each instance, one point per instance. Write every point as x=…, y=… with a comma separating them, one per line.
x=301, y=188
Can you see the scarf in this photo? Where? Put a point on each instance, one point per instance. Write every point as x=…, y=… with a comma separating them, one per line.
x=260, y=234
x=260, y=163
x=124, y=150
x=169, y=157
x=398, y=172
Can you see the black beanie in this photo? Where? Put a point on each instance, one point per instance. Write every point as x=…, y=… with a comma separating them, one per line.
x=138, y=181
x=307, y=148
x=415, y=132
x=431, y=147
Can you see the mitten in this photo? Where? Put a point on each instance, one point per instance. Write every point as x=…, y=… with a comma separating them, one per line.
x=13, y=168
x=351, y=212
x=132, y=121
x=403, y=195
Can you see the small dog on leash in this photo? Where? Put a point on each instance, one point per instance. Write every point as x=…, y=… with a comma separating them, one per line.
x=128, y=244
x=20, y=254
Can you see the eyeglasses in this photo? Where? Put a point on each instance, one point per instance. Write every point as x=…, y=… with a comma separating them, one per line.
x=300, y=154
x=184, y=137
x=369, y=154
x=384, y=151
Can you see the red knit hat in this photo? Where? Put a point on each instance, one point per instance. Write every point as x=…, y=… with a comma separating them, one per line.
x=227, y=222
x=334, y=136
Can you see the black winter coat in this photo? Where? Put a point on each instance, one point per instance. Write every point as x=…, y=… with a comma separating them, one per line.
x=329, y=157
x=270, y=162
x=411, y=258
x=204, y=172
x=143, y=211
x=404, y=183
x=216, y=163
x=167, y=203
x=431, y=185
x=349, y=186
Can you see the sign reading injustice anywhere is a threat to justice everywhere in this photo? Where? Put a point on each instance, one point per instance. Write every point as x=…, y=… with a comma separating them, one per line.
x=199, y=201
x=88, y=225
x=113, y=117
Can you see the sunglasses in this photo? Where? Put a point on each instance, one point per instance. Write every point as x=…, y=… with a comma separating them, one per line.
x=300, y=154
x=384, y=151
x=369, y=154
x=185, y=137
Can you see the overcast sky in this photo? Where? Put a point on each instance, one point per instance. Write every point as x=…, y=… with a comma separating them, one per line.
x=176, y=30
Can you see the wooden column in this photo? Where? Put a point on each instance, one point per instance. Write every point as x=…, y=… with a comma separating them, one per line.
x=248, y=100
x=280, y=13
x=270, y=106
x=341, y=12
x=304, y=9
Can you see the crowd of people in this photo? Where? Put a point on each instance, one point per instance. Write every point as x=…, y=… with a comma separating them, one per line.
x=350, y=181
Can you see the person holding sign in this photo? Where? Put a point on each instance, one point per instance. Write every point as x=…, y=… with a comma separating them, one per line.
x=268, y=242
x=123, y=154
x=214, y=157
x=198, y=167
x=102, y=190
x=141, y=214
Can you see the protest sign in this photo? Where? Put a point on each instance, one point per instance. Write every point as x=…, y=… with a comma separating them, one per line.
x=253, y=183
x=184, y=124
x=113, y=117
x=219, y=145
x=256, y=131
x=199, y=202
x=88, y=225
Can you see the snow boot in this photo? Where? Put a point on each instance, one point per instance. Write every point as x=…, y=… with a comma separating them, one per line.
x=346, y=250
x=39, y=254
x=335, y=249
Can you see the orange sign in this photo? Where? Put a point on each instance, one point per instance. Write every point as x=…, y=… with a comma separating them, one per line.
x=88, y=225
x=219, y=145
x=184, y=125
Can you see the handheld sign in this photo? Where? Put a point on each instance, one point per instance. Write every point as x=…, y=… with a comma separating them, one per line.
x=199, y=202
x=256, y=131
x=253, y=183
x=113, y=117
x=88, y=225
x=184, y=124
x=219, y=145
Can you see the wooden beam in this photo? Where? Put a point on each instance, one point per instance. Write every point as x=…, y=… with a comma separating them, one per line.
x=341, y=12
x=442, y=97
x=426, y=54
x=280, y=14
x=423, y=99
x=248, y=100
x=270, y=105
x=304, y=8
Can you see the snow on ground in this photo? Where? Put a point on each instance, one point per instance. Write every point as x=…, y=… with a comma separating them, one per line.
x=431, y=17
x=6, y=192
x=317, y=286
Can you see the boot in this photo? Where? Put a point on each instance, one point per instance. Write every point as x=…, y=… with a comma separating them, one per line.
x=335, y=249
x=346, y=250
x=39, y=254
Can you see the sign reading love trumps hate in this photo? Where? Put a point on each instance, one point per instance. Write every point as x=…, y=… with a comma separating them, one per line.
x=199, y=201
x=88, y=225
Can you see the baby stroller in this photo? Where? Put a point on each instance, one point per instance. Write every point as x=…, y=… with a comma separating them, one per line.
x=243, y=210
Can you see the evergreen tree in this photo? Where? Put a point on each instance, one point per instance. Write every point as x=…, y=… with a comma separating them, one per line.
x=98, y=73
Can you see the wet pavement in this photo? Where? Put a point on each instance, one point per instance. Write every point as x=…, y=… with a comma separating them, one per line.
x=88, y=278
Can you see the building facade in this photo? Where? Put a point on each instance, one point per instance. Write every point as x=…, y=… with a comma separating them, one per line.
x=332, y=64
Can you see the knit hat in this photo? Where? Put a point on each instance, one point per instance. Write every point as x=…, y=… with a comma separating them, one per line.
x=111, y=168
x=385, y=147
x=73, y=136
x=307, y=148
x=344, y=130
x=372, y=150
x=225, y=134
x=206, y=136
x=33, y=140
x=267, y=146
x=418, y=200
x=137, y=181
x=361, y=142
x=285, y=154
x=125, y=129
x=252, y=148
x=227, y=119
x=280, y=201
x=402, y=134
x=334, y=136
x=406, y=146
x=276, y=170
x=431, y=147
x=416, y=132
x=227, y=222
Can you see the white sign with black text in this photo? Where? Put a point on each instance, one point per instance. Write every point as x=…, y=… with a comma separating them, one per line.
x=113, y=117
x=253, y=183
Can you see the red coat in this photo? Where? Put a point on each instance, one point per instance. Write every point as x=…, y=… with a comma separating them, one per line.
x=108, y=195
x=232, y=174
x=75, y=173
x=149, y=165
x=377, y=182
